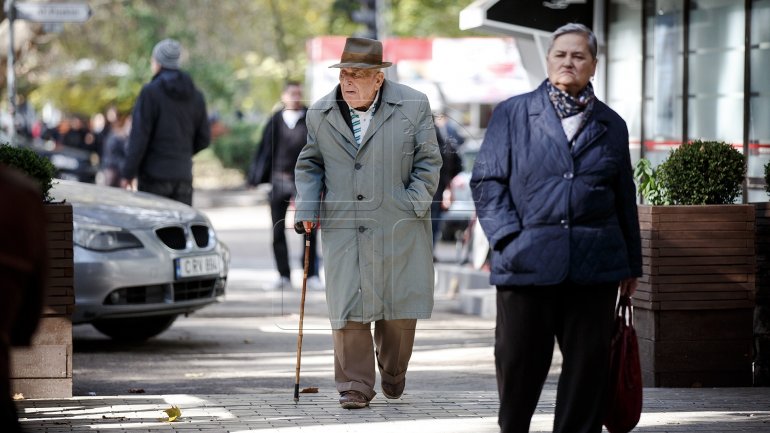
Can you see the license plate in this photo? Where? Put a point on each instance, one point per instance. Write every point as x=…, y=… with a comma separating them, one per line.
x=196, y=266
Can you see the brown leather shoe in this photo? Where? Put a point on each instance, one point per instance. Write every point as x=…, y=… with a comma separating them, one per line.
x=353, y=400
x=393, y=391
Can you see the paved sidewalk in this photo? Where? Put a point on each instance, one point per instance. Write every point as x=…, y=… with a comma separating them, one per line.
x=423, y=409
x=666, y=410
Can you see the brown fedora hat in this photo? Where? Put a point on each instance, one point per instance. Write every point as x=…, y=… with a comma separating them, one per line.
x=362, y=53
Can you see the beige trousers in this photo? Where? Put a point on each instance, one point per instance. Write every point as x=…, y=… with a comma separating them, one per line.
x=355, y=351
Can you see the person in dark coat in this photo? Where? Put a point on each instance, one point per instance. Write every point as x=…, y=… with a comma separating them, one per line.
x=282, y=140
x=114, y=151
x=79, y=136
x=451, y=166
x=169, y=126
x=555, y=195
x=23, y=265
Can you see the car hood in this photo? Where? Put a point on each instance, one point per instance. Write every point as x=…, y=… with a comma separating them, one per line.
x=121, y=208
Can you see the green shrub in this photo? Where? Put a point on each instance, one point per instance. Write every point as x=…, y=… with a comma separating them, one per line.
x=37, y=167
x=649, y=183
x=703, y=172
x=236, y=147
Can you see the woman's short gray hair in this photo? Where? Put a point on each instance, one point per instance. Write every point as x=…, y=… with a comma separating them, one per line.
x=576, y=28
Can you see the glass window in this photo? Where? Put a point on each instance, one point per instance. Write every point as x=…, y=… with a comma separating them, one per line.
x=759, y=101
x=663, y=77
x=760, y=16
x=624, y=67
x=717, y=118
x=716, y=58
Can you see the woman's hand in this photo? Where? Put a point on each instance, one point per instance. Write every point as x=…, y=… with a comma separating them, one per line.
x=628, y=286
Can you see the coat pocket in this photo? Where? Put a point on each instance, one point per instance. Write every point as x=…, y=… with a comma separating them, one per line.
x=541, y=250
x=407, y=160
x=402, y=200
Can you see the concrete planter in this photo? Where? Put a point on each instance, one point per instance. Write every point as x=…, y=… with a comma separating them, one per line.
x=44, y=370
x=695, y=304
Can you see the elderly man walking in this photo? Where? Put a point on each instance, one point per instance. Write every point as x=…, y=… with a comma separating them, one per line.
x=368, y=172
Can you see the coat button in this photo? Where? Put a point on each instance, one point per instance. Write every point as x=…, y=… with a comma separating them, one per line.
x=568, y=175
x=358, y=166
x=361, y=229
x=360, y=197
x=564, y=224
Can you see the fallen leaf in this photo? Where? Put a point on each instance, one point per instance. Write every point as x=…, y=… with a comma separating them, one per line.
x=193, y=375
x=136, y=390
x=173, y=413
x=309, y=390
x=247, y=341
x=18, y=396
x=121, y=418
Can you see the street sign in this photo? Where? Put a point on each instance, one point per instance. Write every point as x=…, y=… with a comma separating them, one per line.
x=53, y=12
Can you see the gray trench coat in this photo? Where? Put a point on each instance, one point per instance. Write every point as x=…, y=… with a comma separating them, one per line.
x=373, y=203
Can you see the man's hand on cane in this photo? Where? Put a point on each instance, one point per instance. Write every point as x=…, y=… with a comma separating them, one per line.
x=308, y=225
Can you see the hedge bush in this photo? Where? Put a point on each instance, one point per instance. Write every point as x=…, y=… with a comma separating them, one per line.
x=703, y=172
x=34, y=165
x=236, y=147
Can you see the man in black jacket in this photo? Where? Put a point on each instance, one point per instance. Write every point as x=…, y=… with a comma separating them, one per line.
x=169, y=126
x=283, y=138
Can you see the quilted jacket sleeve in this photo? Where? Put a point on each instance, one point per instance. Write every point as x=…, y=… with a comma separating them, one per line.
x=490, y=181
x=628, y=216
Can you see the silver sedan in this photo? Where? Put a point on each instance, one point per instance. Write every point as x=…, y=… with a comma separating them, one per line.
x=140, y=260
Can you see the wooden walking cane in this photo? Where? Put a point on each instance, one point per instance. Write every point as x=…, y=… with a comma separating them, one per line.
x=302, y=312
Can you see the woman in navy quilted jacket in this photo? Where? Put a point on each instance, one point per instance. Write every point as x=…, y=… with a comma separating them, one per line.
x=554, y=193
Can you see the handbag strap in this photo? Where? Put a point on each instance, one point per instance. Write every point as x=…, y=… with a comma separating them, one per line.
x=624, y=308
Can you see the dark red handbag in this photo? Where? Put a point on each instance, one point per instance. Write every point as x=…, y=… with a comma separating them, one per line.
x=624, y=396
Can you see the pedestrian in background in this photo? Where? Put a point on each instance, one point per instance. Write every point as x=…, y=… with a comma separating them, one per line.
x=555, y=195
x=114, y=151
x=369, y=171
x=283, y=137
x=102, y=125
x=78, y=135
x=451, y=166
x=169, y=126
x=445, y=127
x=23, y=273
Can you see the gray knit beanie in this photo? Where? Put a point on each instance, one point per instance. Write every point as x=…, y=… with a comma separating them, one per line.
x=167, y=53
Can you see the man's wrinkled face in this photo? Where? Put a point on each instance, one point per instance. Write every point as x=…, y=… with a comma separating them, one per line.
x=360, y=86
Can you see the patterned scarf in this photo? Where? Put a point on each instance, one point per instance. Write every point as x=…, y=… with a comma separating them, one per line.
x=568, y=106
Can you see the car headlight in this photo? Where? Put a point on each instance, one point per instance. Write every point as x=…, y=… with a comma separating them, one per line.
x=103, y=237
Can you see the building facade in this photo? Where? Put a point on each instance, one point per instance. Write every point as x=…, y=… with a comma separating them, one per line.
x=675, y=70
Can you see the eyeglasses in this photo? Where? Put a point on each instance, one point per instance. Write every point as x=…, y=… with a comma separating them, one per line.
x=356, y=74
